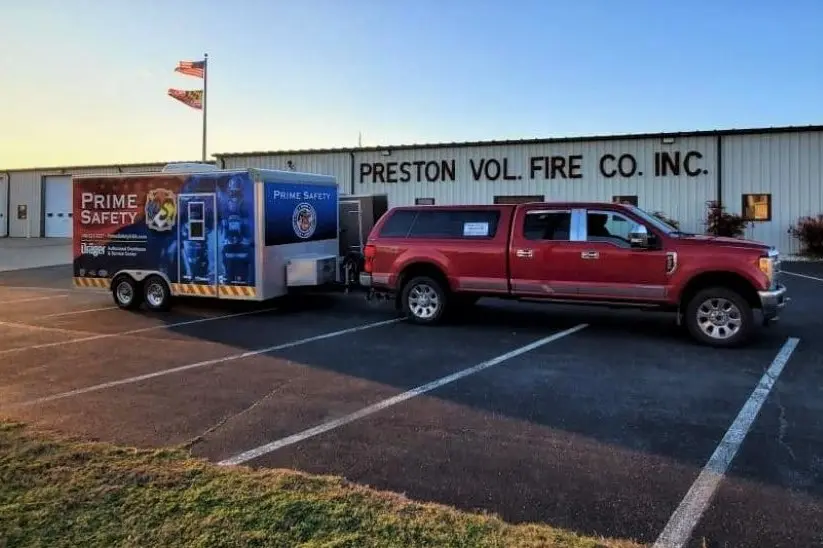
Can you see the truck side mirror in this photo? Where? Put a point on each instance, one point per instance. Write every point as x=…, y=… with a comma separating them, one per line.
x=639, y=236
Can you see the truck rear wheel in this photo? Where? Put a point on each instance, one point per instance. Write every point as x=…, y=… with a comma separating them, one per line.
x=126, y=292
x=719, y=317
x=423, y=300
x=157, y=294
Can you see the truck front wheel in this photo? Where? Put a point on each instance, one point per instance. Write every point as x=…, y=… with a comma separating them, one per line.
x=423, y=300
x=719, y=317
x=126, y=292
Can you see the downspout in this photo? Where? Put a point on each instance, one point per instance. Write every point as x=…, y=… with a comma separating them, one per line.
x=8, y=204
x=719, y=170
x=222, y=162
x=351, y=174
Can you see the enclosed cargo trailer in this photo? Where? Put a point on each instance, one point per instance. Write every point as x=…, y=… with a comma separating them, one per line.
x=250, y=234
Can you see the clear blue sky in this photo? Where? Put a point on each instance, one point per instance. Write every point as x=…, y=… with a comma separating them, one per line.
x=84, y=81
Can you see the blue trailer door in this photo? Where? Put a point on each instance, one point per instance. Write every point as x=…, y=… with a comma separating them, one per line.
x=197, y=252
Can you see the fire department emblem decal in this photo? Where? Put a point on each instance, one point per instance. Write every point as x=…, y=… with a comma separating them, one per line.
x=304, y=220
x=161, y=209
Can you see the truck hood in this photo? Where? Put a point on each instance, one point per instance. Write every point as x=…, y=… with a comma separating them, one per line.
x=702, y=239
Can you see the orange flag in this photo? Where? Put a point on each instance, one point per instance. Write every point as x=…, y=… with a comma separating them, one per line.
x=191, y=97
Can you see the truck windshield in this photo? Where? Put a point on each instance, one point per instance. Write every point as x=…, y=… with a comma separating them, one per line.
x=652, y=220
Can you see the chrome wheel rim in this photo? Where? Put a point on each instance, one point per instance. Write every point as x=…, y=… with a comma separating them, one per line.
x=125, y=293
x=424, y=302
x=155, y=294
x=719, y=318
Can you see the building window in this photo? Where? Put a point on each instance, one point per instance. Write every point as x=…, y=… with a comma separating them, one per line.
x=517, y=199
x=424, y=201
x=757, y=207
x=625, y=200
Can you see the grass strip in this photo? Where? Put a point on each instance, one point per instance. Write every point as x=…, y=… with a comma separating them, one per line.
x=57, y=491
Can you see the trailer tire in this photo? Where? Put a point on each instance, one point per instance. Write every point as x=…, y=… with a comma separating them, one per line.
x=156, y=293
x=424, y=300
x=126, y=292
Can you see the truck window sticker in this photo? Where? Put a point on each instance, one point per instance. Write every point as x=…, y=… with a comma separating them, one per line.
x=476, y=229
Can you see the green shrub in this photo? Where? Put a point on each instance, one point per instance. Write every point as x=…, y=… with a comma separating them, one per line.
x=721, y=223
x=809, y=230
x=666, y=219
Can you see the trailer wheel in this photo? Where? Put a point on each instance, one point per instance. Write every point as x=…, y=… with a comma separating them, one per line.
x=126, y=292
x=157, y=294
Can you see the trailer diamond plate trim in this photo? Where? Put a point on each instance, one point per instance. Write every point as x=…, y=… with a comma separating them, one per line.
x=237, y=291
x=102, y=283
x=196, y=290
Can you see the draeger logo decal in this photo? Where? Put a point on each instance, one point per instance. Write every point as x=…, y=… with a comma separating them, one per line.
x=95, y=250
x=304, y=220
x=161, y=209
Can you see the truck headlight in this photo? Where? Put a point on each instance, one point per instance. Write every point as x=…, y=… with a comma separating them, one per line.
x=766, y=265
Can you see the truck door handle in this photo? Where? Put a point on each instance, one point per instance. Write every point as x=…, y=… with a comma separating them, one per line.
x=590, y=255
x=524, y=253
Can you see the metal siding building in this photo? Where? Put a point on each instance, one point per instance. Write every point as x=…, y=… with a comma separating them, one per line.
x=787, y=167
x=29, y=188
x=779, y=170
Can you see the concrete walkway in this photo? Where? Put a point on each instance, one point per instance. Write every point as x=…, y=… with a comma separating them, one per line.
x=20, y=253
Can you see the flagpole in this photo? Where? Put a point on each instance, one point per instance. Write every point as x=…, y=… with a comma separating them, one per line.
x=205, y=99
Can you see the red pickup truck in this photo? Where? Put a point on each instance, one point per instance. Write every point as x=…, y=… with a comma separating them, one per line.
x=433, y=260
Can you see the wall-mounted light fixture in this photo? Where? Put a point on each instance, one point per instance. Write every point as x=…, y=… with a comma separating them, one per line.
x=667, y=140
x=386, y=152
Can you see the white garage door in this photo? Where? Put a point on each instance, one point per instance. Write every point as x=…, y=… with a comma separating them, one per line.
x=58, y=206
x=4, y=206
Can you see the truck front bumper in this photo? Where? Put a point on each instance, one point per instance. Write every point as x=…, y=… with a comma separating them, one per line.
x=772, y=301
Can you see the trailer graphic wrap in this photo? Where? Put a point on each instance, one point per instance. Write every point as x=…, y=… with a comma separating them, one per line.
x=235, y=230
x=193, y=228
x=297, y=213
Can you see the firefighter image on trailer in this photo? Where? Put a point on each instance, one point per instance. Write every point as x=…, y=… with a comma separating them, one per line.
x=236, y=257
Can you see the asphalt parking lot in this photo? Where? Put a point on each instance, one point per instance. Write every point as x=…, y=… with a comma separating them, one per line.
x=599, y=421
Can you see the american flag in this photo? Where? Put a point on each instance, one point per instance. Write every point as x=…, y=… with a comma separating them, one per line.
x=191, y=68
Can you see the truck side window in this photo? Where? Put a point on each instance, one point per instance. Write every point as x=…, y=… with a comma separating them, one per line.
x=547, y=225
x=398, y=224
x=608, y=226
x=455, y=224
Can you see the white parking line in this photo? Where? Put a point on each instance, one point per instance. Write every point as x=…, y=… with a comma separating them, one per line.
x=198, y=365
x=802, y=276
x=84, y=311
x=379, y=406
x=33, y=288
x=121, y=333
x=30, y=299
x=682, y=522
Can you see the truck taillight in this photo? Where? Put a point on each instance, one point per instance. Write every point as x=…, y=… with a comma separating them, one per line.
x=369, y=252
